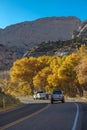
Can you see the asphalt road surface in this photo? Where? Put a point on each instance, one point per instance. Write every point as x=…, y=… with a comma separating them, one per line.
x=44, y=116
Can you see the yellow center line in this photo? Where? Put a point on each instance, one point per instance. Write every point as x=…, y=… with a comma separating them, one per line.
x=24, y=118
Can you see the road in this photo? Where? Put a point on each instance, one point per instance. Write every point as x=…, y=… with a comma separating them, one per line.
x=44, y=116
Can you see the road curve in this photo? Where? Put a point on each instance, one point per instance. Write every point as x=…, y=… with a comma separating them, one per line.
x=58, y=116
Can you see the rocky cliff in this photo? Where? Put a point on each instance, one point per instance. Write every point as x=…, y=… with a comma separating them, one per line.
x=81, y=32
x=28, y=34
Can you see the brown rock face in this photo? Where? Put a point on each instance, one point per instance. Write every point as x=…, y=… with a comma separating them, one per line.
x=28, y=34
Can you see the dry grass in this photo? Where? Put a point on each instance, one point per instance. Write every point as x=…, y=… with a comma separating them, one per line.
x=77, y=99
x=8, y=102
x=10, y=107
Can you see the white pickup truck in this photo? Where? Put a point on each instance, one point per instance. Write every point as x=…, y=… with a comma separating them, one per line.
x=40, y=95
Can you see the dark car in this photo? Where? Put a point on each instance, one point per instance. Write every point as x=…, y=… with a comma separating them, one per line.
x=57, y=95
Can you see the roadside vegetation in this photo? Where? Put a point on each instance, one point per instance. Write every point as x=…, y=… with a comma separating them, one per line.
x=68, y=73
x=7, y=101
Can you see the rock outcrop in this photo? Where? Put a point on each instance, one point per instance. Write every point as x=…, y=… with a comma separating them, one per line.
x=81, y=32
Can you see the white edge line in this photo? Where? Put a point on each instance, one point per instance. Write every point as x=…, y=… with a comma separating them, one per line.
x=76, y=117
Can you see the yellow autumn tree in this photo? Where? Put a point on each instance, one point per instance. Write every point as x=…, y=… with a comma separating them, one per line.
x=67, y=73
x=40, y=80
x=81, y=70
x=23, y=70
x=53, y=79
x=54, y=64
x=82, y=51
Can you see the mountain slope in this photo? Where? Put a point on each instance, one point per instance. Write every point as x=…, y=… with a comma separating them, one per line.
x=28, y=34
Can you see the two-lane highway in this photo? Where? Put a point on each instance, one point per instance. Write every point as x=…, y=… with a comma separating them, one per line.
x=19, y=113
x=58, y=116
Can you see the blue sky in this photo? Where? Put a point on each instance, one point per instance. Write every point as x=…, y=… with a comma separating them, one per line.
x=15, y=11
